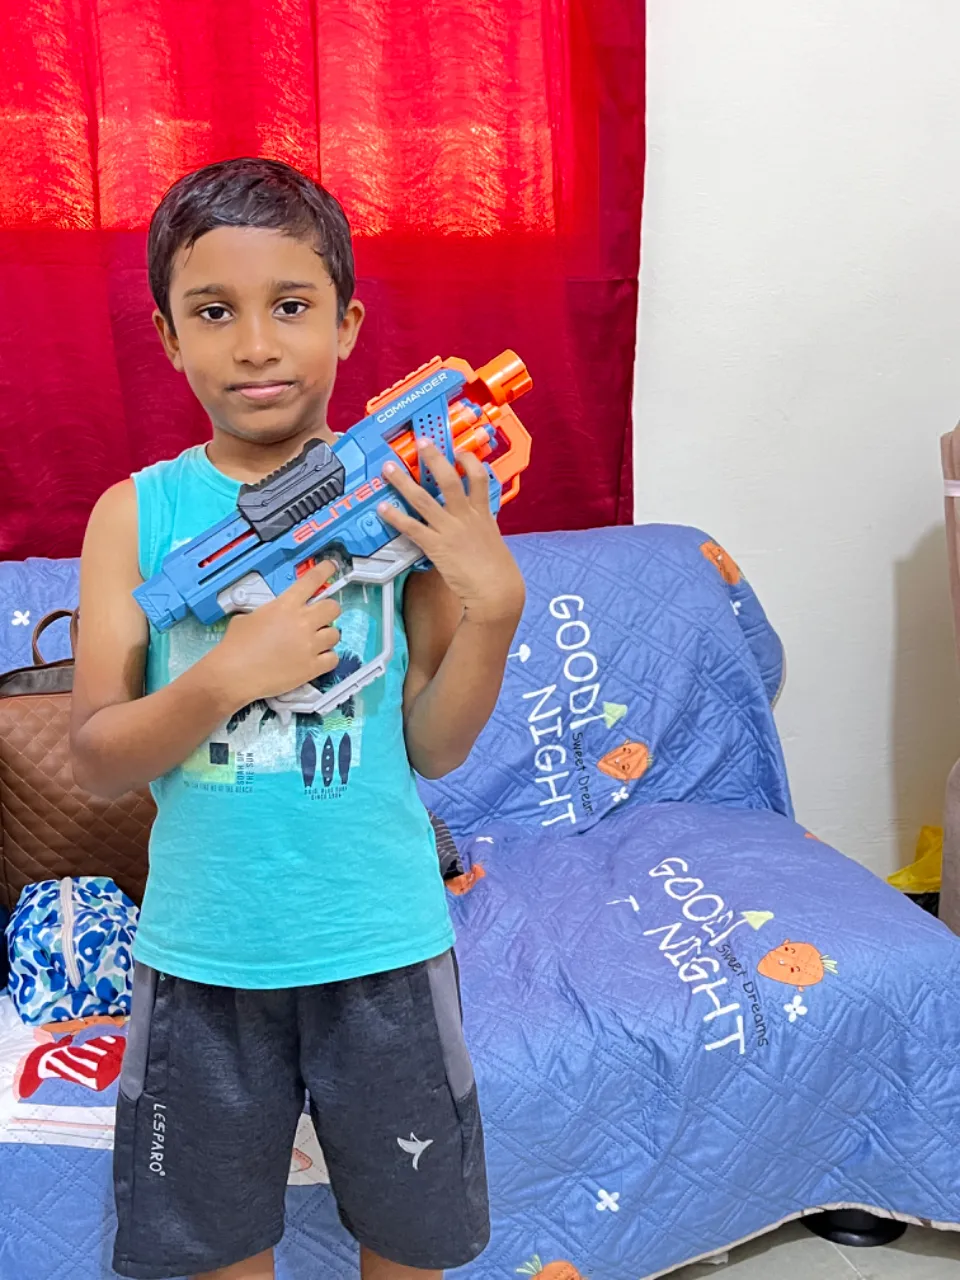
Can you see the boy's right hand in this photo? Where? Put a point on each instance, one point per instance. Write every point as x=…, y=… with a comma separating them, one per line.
x=123, y=737
x=280, y=646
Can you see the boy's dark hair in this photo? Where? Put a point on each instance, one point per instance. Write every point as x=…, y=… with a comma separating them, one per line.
x=249, y=193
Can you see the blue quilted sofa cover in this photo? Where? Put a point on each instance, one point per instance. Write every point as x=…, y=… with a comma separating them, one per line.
x=690, y=1019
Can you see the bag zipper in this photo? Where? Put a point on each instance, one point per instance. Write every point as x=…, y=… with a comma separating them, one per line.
x=66, y=932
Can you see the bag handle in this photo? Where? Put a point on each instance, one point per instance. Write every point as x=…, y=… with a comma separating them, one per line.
x=40, y=628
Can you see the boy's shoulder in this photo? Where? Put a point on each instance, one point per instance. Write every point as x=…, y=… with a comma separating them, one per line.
x=115, y=506
x=169, y=481
x=169, y=468
x=176, y=500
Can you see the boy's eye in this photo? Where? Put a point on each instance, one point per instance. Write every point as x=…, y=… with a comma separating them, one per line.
x=292, y=307
x=214, y=312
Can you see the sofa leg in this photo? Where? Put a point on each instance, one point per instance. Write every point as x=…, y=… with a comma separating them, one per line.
x=854, y=1227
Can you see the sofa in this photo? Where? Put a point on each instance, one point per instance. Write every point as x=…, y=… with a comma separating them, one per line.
x=691, y=1019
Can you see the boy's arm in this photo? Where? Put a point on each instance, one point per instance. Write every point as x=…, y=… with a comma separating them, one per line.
x=456, y=668
x=121, y=740
x=460, y=617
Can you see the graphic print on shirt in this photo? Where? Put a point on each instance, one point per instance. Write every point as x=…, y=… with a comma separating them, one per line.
x=320, y=752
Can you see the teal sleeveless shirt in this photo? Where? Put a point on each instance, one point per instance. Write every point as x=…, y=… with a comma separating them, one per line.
x=282, y=856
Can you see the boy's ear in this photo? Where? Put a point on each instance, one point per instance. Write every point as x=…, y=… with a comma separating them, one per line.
x=350, y=328
x=168, y=336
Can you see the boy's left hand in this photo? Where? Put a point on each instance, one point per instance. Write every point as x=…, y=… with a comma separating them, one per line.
x=460, y=535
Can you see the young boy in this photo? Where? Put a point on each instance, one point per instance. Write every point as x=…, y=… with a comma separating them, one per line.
x=294, y=935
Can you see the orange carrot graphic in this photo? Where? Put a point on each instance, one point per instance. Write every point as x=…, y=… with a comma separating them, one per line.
x=552, y=1271
x=626, y=763
x=728, y=568
x=797, y=964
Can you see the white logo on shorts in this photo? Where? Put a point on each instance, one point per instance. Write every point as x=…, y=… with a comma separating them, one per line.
x=414, y=1147
x=158, y=1140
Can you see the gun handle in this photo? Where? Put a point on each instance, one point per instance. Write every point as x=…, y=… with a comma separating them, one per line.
x=381, y=569
x=508, y=495
x=309, y=700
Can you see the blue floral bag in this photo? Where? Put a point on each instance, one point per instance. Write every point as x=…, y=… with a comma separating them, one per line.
x=70, y=947
x=4, y=962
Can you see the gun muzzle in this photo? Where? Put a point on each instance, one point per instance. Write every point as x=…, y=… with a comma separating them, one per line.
x=505, y=378
x=161, y=602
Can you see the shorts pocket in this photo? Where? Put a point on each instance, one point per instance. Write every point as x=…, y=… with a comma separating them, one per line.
x=476, y=1201
x=124, y=1164
x=445, y=993
x=145, y=1224
x=148, y=1033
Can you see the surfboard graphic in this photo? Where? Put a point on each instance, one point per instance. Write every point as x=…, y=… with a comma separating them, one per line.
x=308, y=760
x=327, y=762
x=343, y=758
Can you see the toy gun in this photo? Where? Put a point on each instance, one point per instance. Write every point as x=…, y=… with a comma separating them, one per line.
x=322, y=505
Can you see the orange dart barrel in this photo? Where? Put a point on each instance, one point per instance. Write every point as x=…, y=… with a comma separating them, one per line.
x=480, y=421
x=505, y=377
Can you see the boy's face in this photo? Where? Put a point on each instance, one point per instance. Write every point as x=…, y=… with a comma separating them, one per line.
x=255, y=331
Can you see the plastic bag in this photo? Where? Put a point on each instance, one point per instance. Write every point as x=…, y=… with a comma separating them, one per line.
x=925, y=872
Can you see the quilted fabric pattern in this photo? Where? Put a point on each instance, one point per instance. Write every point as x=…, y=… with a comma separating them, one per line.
x=689, y=1021
x=30, y=589
x=50, y=827
x=615, y=696
x=633, y=1121
x=656, y=1083
x=58, y=1220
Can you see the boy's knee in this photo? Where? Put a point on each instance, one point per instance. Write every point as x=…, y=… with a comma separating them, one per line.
x=373, y=1267
x=258, y=1268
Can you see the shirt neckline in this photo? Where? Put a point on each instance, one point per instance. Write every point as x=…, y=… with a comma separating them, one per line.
x=211, y=475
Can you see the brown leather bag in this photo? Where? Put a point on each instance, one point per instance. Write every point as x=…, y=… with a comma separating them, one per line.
x=49, y=828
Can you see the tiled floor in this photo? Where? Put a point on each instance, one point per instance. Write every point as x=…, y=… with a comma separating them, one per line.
x=793, y=1253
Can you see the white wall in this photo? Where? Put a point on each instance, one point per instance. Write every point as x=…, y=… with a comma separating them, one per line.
x=799, y=356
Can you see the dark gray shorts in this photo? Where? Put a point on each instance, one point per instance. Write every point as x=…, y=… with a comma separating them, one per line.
x=213, y=1086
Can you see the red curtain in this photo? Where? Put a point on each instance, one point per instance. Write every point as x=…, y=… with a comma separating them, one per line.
x=489, y=154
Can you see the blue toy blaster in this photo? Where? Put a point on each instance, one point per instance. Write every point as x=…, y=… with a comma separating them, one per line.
x=323, y=505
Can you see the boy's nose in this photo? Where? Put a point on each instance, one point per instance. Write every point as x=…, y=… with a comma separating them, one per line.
x=256, y=342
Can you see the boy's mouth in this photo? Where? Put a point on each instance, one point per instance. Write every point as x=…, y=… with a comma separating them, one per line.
x=261, y=392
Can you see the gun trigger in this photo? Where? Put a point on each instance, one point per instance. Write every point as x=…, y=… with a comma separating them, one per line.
x=339, y=567
x=310, y=700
